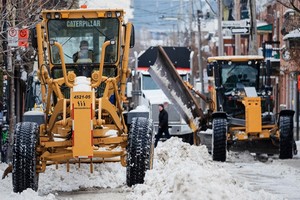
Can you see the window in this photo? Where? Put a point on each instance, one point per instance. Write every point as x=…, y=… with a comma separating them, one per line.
x=71, y=32
x=241, y=73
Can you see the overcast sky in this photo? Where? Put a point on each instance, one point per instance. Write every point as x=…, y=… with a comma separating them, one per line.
x=122, y=4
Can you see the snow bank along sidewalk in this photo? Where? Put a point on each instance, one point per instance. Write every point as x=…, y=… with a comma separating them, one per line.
x=108, y=175
x=187, y=172
x=181, y=171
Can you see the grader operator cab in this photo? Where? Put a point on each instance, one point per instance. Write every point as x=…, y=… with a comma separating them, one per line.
x=83, y=67
x=240, y=106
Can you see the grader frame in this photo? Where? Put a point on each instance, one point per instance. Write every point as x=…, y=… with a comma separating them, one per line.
x=240, y=114
x=83, y=101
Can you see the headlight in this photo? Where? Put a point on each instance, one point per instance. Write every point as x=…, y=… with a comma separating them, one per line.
x=118, y=13
x=48, y=15
x=56, y=15
x=109, y=14
x=263, y=93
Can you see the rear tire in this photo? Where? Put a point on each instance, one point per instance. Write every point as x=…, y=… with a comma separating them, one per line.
x=139, y=151
x=219, y=139
x=286, y=146
x=24, y=173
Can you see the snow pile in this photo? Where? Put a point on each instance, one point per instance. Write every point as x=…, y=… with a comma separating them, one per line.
x=182, y=171
x=108, y=175
x=240, y=157
x=7, y=191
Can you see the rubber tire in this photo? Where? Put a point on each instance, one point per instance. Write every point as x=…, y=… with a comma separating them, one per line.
x=286, y=144
x=24, y=157
x=219, y=139
x=139, y=150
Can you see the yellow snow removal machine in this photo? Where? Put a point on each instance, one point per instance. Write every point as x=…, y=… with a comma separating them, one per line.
x=83, y=68
x=240, y=106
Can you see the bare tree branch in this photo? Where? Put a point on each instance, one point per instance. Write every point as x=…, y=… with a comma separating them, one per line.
x=212, y=10
x=290, y=4
x=25, y=13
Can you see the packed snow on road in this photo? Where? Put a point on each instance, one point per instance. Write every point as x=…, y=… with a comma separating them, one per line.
x=180, y=171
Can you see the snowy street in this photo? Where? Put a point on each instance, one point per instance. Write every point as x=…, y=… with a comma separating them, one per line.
x=180, y=171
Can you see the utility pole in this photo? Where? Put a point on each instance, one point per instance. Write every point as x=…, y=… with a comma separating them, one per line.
x=253, y=48
x=297, y=107
x=237, y=36
x=193, y=65
x=191, y=23
x=220, y=33
x=18, y=68
x=10, y=72
x=181, y=43
x=3, y=100
x=199, y=16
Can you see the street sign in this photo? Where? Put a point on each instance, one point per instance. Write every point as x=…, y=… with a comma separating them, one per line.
x=231, y=23
x=247, y=22
x=23, y=34
x=23, y=37
x=244, y=30
x=240, y=23
x=12, y=37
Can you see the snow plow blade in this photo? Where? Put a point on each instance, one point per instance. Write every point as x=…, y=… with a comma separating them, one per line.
x=167, y=78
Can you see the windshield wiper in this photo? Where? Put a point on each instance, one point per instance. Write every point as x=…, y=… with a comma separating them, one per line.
x=106, y=38
x=232, y=69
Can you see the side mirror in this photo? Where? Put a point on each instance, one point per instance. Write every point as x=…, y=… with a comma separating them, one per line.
x=217, y=74
x=210, y=68
x=132, y=37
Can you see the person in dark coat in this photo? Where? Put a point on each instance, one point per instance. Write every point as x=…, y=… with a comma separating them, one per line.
x=163, y=124
x=85, y=54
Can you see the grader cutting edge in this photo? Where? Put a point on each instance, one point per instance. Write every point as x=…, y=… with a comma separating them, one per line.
x=240, y=112
x=83, y=95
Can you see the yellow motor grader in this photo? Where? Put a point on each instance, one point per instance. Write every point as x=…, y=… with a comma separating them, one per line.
x=83, y=67
x=240, y=106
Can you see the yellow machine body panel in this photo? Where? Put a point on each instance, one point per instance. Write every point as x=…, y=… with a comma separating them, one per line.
x=253, y=114
x=88, y=47
x=83, y=70
x=235, y=58
x=82, y=115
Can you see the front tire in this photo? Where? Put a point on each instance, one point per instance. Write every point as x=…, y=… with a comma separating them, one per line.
x=24, y=173
x=219, y=139
x=139, y=151
x=286, y=146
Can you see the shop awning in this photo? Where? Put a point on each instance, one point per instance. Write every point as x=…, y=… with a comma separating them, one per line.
x=265, y=28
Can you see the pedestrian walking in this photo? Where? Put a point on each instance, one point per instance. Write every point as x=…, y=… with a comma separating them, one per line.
x=163, y=124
